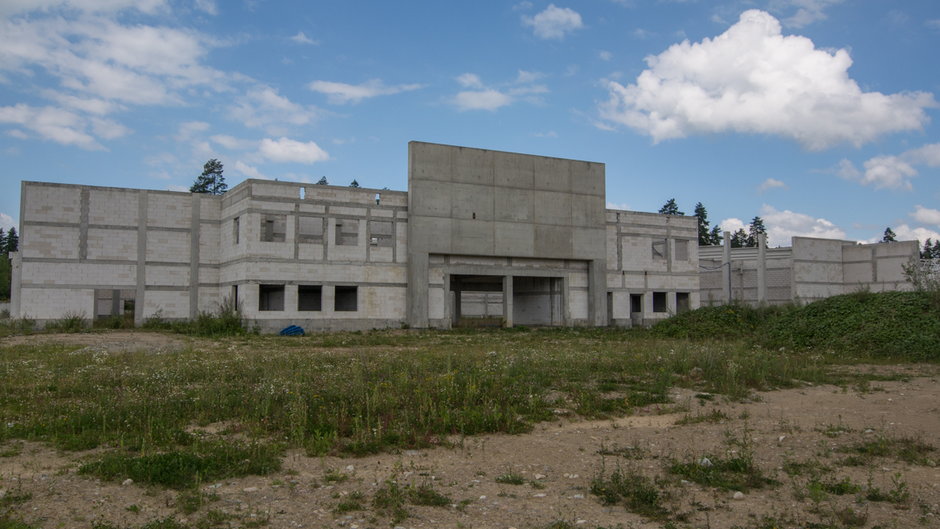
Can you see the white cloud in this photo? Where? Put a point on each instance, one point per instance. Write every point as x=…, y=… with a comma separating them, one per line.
x=524, y=77
x=207, y=6
x=807, y=11
x=928, y=155
x=553, y=22
x=752, y=79
x=175, y=187
x=549, y=134
x=847, y=170
x=732, y=225
x=888, y=172
x=771, y=183
x=247, y=170
x=108, y=129
x=926, y=215
x=288, y=150
x=301, y=38
x=605, y=55
x=89, y=105
x=342, y=93
x=190, y=129
x=50, y=123
x=263, y=107
x=6, y=222
x=232, y=143
x=622, y=207
x=488, y=99
x=469, y=80
x=908, y=233
x=783, y=225
x=11, y=7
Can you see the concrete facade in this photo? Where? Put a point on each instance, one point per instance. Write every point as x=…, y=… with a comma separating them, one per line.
x=809, y=270
x=481, y=237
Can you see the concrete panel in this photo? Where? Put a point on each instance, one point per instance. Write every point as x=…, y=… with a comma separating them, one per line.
x=169, y=210
x=53, y=304
x=431, y=199
x=552, y=208
x=115, y=245
x=515, y=205
x=473, y=166
x=168, y=246
x=553, y=241
x=49, y=242
x=552, y=174
x=51, y=203
x=473, y=202
x=112, y=207
x=472, y=237
x=514, y=171
x=515, y=238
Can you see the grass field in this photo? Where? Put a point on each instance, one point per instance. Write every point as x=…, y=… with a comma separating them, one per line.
x=232, y=406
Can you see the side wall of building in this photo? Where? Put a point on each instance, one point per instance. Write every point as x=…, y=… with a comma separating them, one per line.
x=652, y=266
x=322, y=257
x=99, y=251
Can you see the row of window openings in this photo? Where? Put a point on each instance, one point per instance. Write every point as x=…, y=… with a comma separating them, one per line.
x=309, y=298
x=659, y=302
x=681, y=250
x=310, y=230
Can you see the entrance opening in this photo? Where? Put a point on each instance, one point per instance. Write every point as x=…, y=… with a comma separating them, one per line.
x=636, y=310
x=682, y=302
x=478, y=301
x=536, y=301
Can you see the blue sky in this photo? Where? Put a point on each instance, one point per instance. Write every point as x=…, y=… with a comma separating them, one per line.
x=818, y=115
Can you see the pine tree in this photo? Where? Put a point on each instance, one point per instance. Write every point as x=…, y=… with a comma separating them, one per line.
x=936, y=249
x=704, y=238
x=927, y=252
x=12, y=242
x=739, y=238
x=756, y=228
x=211, y=180
x=889, y=235
x=670, y=208
x=3, y=242
x=354, y=183
x=322, y=181
x=715, y=238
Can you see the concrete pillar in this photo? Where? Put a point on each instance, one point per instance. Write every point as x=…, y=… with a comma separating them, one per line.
x=16, y=265
x=597, y=293
x=761, y=269
x=194, y=228
x=726, y=267
x=507, y=301
x=141, y=292
x=417, y=298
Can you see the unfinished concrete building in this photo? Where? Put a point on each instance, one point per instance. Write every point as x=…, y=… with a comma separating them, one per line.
x=808, y=270
x=481, y=237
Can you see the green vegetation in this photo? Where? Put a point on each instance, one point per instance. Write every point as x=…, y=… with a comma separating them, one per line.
x=636, y=492
x=510, y=478
x=899, y=325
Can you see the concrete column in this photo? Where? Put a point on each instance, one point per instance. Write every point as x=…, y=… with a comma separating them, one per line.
x=16, y=265
x=194, y=225
x=726, y=267
x=139, y=301
x=762, y=269
x=417, y=290
x=507, y=301
x=597, y=292
x=83, y=225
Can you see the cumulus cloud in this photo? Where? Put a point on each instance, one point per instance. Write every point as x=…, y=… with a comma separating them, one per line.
x=785, y=224
x=6, y=222
x=12, y=7
x=247, y=170
x=483, y=97
x=771, y=183
x=905, y=232
x=288, y=150
x=926, y=215
x=301, y=38
x=232, y=143
x=892, y=171
x=605, y=55
x=554, y=22
x=190, y=129
x=342, y=93
x=263, y=107
x=732, y=225
x=207, y=6
x=50, y=123
x=753, y=79
x=807, y=11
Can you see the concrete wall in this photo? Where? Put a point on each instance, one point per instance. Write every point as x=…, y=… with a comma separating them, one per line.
x=811, y=269
x=476, y=202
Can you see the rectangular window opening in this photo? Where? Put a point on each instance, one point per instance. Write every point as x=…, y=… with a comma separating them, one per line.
x=273, y=227
x=659, y=302
x=270, y=297
x=682, y=302
x=236, y=225
x=346, y=299
x=310, y=230
x=381, y=233
x=636, y=303
x=347, y=232
x=659, y=249
x=309, y=298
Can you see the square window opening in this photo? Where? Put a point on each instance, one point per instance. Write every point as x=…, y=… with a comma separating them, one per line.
x=659, y=302
x=309, y=298
x=346, y=299
x=270, y=297
x=273, y=227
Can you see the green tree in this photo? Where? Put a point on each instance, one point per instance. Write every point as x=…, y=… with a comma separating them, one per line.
x=3, y=242
x=704, y=237
x=12, y=242
x=715, y=238
x=889, y=235
x=739, y=239
x=322, y=181
x=354, y=183
x=211, y=180
x=754, y=230
x=670, y=208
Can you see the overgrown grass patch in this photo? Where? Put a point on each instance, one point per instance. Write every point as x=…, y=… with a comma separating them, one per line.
x=736, y=472
x=911, y=450
x=634, y=491
x=187, y=467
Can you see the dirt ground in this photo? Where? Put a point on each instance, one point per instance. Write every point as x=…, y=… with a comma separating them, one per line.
x=557, y=461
